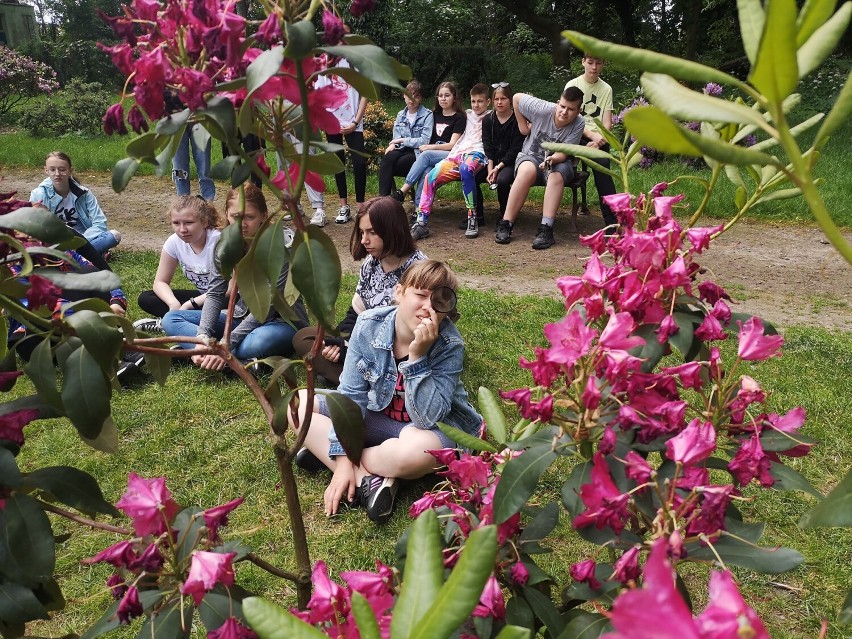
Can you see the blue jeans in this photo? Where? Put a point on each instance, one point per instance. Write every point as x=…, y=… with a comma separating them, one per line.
x=180, y=166
x=103, y=242
x=420, y=169
x=273, y=338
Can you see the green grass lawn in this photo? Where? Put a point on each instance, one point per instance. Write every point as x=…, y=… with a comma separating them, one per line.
x=205, y=433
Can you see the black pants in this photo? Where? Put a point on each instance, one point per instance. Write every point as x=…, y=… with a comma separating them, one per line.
x=396, y=163
x=604, y=185
x=153, y=305
x=355, y=142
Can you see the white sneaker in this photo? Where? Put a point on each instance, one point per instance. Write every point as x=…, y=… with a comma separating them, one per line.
x=116, y=235
x=344, y=214
x=148, y=325
x=319, y=218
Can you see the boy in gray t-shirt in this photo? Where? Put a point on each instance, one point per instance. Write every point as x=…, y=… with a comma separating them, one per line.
x=535, y=166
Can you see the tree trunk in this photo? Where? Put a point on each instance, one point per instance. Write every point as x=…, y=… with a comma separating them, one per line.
x=545, y=26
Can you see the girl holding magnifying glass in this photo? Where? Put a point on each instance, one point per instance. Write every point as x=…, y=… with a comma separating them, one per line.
x=403, y=370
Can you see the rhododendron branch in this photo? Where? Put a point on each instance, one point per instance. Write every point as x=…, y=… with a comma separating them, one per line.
x=273, y=570
x=91, y=523
x=708, y=191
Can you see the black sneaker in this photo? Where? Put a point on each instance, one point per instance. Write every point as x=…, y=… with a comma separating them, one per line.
x=132, y=361
x=544, y=237
x=504, y=232
x=149, y=325
x=398, y=195
x=307, y=461
x=419, y=231
x=377, y=496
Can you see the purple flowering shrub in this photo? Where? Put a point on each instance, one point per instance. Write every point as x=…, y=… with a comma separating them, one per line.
x=22, y=78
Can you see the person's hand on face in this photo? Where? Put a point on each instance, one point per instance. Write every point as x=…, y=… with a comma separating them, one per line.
x=424, y=335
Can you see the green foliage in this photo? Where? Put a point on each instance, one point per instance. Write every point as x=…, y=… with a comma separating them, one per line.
x=75, y=110
x=76, y=59
x=378, y=131
x=21, y=79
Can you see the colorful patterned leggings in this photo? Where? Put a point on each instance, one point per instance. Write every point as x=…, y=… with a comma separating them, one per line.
x=449, y=171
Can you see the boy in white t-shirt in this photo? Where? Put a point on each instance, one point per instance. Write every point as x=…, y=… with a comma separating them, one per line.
x=466, y=158
x=597, y=103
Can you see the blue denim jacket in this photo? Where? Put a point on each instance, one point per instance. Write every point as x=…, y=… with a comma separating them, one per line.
x=93, y=222
x=433, y=389
x=416, y=134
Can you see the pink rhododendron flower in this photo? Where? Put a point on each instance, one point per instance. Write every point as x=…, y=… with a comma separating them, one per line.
x=607, y=442
x=231, y=629
x=12, y=424
x=711, y=292
x=206, y=570
x=543, y=371
x=333, y=27
x=693, y=444
x=676, y=275
x=658, y=189
x=216, y=517
x=754, y=345
x=518, y=574
x=328, y=599
x=120, y=555
x=469, y=471
x=663, y=205
x=150, y=560
x=710, y=519
x=605, y=504
x=751, y=462
x=584, y=572
x=626, y=568
x=700, y=237
x=710, y=330
x=491, y=603
x=137, y=120
x=690, y=374
x=360, y=7
x=376, y=587
x=591, y=393
x=269, y=32
x=790, y=422
x=113, y=120
x=149, y=504
x=637, y=467
x=427, y=502
x=116, y=586
x=616, y=335
x=727, y=615
x=130, y=606
x=42, y=293
x=618, y=201
x=570, y=340
x=668, y=327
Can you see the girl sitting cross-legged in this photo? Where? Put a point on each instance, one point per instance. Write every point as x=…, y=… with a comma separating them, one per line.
x=403, y=370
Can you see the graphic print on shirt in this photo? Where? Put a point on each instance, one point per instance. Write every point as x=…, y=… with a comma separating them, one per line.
x=396, y=409
x=536, y=148
x=590, y=107
x=198, y=275
x=68, y=215
x=440, y=127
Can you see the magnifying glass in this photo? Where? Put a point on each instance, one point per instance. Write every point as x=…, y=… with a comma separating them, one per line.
x=443, y=299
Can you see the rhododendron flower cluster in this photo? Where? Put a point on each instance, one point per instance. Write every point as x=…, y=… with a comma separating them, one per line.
x=658, y=429
x=330, y=607
x=174, y=553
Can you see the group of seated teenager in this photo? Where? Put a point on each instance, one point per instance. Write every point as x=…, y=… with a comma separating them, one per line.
x=500, y=141
x=399, y=355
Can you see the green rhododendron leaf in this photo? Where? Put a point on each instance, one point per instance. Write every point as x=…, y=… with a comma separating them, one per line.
x=466, y=440
x=544, y=610
x=649, y=124
x=19, y=604
x=462, y=590
x=834, y=510
x=223, y=169
x=107, y=439
x=584, y=625
x=10, y=474
x=222, y=122
x=775, y=72
x=164, y=158
x=27, y=548
x=72, y=487
x=735, y=552
x=514, y=632
x=365, y=618
x=172, y=124
x=97, y=282
x=348, y=424
x=814, y=13
x=542, y=524
x=229, y=249
x=316, y=272
x=144, y=147
x=262, y=68
x=788, y=479
x=751, y=19
x=677, y=101
x=495, y=421
x=649, y=60
x=218, y=605
x=39, y=223
x=325, y=164
x=271, y=621
x=301, y=39
x=102, y=341
x=172, y=621
x=85, y=393
x=107, y=623
x=845, y=616
x=188, y=524
x=373, y=63
x=423, y=576
x=42, y=373
x=363, y=85
x=253, y=284
x=519, y=480
x=820, y=45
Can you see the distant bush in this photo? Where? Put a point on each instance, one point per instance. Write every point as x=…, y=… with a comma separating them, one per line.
x=75, y=59
x=77, y=109
x=22, y=78
x=378, y=130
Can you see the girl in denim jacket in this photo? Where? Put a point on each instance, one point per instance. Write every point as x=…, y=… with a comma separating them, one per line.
x=411, y=130
x=403, y=371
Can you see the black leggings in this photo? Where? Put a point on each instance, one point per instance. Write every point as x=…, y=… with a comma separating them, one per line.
x=396, y=163
x=153, y=305
x=355, y=142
